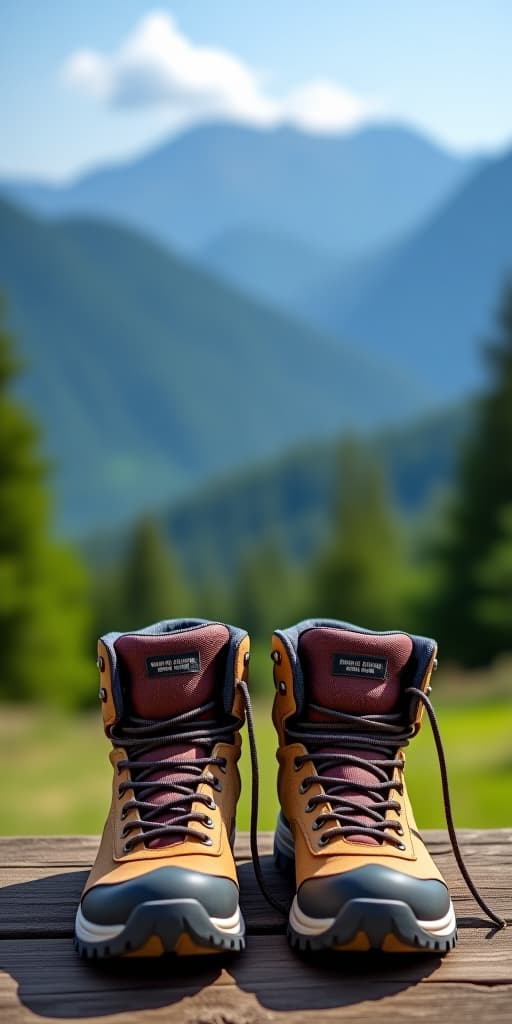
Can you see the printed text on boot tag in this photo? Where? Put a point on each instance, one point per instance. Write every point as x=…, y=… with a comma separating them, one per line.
x=359, y=665
x=173, y=664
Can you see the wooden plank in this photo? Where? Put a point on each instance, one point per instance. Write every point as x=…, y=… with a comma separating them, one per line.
x=48, y=979
x=477, y=959
x=41, y=975
x=64, y=851
x=41, y=901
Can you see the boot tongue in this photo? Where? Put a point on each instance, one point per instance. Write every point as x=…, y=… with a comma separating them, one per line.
x=359, y=674
x=168, y=674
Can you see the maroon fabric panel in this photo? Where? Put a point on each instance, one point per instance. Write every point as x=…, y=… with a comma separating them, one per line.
x=354, y=694
x=172, y=694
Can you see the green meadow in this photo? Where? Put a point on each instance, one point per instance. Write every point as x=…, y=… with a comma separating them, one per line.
x=59, y=775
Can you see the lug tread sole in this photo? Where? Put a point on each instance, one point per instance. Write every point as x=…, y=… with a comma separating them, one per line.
x=363, y=926
x=159, y=927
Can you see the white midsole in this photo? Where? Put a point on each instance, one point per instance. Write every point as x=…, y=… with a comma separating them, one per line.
x=87, y=931
x=306, y=925
x=443, y=926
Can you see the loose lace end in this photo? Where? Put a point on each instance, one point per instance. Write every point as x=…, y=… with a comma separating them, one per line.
x=499, y=921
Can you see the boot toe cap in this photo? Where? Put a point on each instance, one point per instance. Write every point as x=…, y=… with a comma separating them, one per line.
x=429, y=899
x=112, y=903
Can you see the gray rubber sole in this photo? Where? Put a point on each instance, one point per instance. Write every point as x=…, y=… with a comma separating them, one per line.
x=363, y=925
x=169, y=921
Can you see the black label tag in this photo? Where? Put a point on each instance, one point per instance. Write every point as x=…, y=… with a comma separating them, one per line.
x=173, y=664
x=359, y=665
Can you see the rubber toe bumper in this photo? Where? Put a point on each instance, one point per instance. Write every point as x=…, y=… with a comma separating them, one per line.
x=428, y=899
x=113, y=903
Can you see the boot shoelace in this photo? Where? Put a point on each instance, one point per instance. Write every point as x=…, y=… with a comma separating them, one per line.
x=139, y=736
x=386, y=734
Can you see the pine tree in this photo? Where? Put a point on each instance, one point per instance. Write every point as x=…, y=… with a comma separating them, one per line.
x=361, y=574
x=473, y=613
x=151, y=586
x=267, y=591
x=43, y=586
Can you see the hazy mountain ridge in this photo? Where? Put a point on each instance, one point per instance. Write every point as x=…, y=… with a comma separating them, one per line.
x=430, y=304
x=290, y=499
x=147, y=374
x=348, y=193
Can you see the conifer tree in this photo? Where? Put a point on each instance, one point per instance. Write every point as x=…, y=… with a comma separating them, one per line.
x=43, y=586
x=473, y=612
x=267, y=590
x=151, y=585
x=361, y=575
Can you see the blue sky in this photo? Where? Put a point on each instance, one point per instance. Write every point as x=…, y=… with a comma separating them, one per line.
x=86, y=83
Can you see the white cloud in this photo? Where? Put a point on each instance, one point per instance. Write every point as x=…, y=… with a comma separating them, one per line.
x=323, y=106
x=157, y=66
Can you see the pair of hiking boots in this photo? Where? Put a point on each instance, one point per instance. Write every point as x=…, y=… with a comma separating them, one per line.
x=347, y=701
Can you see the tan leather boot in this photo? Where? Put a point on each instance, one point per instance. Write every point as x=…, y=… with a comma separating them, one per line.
x=345, y=708
x=165, y=879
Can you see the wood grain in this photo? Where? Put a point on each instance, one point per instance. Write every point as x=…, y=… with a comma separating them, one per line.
x=42, y=977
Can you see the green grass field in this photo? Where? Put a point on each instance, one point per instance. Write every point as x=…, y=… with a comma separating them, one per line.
x=57, y=775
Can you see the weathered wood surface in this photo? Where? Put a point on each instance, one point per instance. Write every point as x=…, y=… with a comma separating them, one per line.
x=42, y=977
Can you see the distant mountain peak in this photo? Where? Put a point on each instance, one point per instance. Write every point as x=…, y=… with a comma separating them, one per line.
x=349, y=192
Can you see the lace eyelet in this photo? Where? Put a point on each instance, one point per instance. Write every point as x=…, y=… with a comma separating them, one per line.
x=401, y=847
x=126, y=849
x=216, y=785
x=323, y=840
x=124, y=814
x=399, y=831
x=211, y=805
x=206, y=841
x=296, y=767
x=304, y=786
x=209, y=823
x=309, y=807
x=316, y=825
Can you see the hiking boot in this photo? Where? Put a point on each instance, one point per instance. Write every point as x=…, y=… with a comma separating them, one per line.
x=165, y=879
x=346, y=705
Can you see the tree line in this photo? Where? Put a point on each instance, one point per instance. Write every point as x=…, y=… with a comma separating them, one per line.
x=452, y=580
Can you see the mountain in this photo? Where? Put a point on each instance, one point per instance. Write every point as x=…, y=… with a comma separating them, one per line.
x=290, y=499
x=148, y=375
x=272, y=267
x=329, y=302
x=347, y=193
x=430, y=303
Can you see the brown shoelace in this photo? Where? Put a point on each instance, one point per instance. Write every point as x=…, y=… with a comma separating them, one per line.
x=139, y=736
x=385, y=734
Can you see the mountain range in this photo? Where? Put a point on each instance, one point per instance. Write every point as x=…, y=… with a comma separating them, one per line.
x=289, y=500
x=347, y=193
x=149, y=375
x=430, y=301
x=237, y=291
